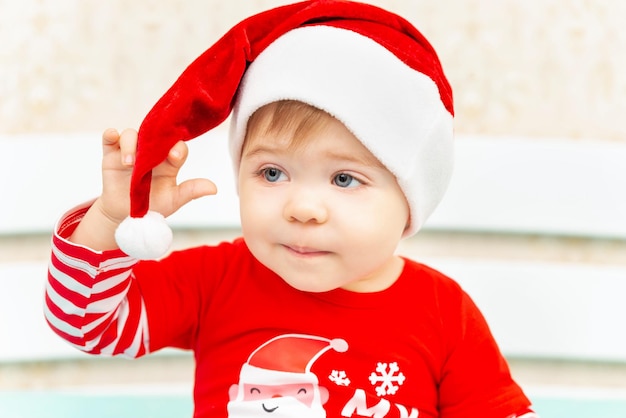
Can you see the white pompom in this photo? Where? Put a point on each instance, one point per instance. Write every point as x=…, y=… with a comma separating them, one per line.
x=146, y=238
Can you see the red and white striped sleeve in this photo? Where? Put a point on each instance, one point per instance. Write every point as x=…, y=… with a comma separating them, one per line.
x=91, y=298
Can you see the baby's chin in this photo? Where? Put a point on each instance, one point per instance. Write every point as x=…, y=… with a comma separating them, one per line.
x=312, y=286
x=311, y=289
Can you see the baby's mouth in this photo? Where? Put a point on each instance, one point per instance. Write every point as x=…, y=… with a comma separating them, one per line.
x=305, y=251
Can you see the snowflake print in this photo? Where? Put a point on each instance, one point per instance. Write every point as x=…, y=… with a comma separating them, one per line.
x=387, y=375
x=339, y=377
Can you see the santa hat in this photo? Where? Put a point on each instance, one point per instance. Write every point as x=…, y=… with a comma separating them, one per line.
x=367, y=67
x=288, y=359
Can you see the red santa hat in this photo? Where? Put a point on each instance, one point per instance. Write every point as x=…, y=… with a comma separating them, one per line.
x=288, y=359
x=367, y=67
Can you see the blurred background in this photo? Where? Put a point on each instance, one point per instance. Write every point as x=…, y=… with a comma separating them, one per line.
x=533, y=226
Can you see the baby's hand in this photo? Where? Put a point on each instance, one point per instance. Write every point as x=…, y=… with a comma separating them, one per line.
x=166, y=196
x=96, y=230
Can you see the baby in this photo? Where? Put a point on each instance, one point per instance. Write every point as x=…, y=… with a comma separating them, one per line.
x=341, y=138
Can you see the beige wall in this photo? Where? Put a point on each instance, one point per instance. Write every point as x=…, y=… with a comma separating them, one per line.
x=552, y=68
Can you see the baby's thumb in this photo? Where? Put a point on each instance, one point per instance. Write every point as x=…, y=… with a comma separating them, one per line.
x=195, y=188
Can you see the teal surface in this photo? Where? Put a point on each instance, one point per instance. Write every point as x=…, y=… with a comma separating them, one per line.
x=580, y=408
x=33, y=404
x=49, y=404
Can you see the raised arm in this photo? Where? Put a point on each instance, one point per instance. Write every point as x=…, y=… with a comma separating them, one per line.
x=91, y=298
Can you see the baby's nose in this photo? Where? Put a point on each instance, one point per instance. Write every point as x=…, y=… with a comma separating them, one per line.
x=306, y=206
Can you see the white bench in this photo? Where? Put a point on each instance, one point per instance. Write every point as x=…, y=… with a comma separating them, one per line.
x=514, y=185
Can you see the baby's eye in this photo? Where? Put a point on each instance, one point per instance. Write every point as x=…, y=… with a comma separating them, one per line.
x=272, y=174
x=345, y=180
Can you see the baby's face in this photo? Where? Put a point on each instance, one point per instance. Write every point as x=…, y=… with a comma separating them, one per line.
x=324, y=215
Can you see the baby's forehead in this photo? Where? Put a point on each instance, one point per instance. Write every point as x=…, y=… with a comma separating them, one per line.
x=293, y=126
x=325, y=144
x=290, y=123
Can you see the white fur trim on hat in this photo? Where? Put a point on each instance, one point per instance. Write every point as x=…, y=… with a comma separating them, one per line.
x=394, y=110
x=252, y=374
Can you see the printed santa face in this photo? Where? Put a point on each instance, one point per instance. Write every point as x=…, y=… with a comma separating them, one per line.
x=277, y=379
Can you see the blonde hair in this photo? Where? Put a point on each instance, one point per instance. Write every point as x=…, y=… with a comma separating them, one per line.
x=289, y=118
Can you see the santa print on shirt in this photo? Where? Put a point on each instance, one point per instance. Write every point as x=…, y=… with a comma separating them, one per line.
x=277, y=379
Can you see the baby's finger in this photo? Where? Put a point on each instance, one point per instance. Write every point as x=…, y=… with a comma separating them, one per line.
x=193, y=189
x=178, y=154
x=128, y=146
x=174, y=161
x=110, y=138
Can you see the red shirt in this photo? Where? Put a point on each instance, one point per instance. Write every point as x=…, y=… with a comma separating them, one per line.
x=420, y=347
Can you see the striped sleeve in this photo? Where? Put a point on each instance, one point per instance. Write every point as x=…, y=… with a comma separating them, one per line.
x=92, y=300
